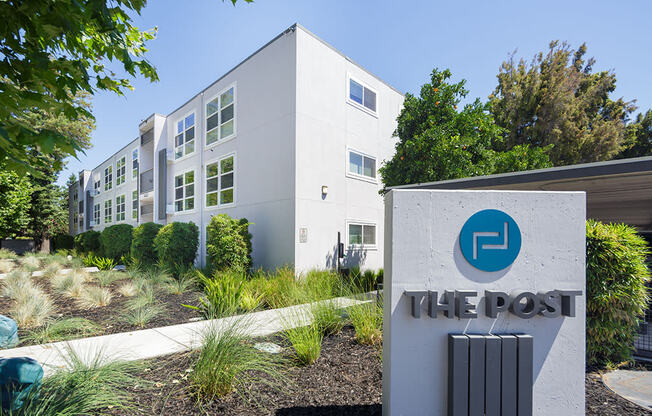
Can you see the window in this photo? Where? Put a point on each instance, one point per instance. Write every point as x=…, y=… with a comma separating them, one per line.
x=184, y=141
x=81, y=207
x=362, y=234
x=184, y=192
x=134, y=164
x=362, y=165
x=108, y=212
x=75, y=196
x=120, y=171
x=97, y=185
x=134, y=205
x=120, y=208
x=362, y=95
x=96, y=214
x=220, y=122
x=220, y=183
x=108, y=178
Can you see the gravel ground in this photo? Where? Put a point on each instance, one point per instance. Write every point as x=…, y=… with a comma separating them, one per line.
x=346, y=380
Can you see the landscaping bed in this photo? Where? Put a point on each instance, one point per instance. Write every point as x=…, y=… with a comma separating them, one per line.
x=345, y=380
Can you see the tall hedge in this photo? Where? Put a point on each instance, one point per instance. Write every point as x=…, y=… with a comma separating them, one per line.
x=176, y=244
x=616, y=293
x=228, y=243
x=88, y=241
x=62, y=242
x=142, y=243
x=115, y=241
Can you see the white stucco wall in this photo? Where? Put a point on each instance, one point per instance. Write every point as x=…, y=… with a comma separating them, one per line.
x=327, y=125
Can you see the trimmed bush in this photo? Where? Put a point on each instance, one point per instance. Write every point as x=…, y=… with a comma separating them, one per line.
x=176, y=245
x=616, y=295
x=142, y=243
x=62, y=242
x=88, y=241
x=115, y=241
x=228, y=243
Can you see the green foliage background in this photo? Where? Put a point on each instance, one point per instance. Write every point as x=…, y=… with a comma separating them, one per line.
x=142, y=243
x=616, y=292
x=228, y=243
x=176, y=244
x=88, y=242
x=115, y=241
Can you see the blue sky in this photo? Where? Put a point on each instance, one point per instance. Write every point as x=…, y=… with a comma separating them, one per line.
x=400, y=41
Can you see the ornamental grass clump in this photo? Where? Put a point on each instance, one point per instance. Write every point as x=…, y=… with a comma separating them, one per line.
x=16, y=283
x=94, y=297
x=367, y=320
x=86, y=386
x=31, y=308
x=128, y=289
x=327, y=316
x=62, y=330
x=222, y=294
x=30, y=263
x=228, y=361
x=304, y=335
x=7, y=265
x=106, y=278
x=52, y=269
x=141, y=315
x=616, y=292
x=283, y=289
x=70, y=284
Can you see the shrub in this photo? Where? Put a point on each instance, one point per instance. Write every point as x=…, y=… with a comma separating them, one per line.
x=367, y=320
x=62, y=242
x=115, y=241
x=223, y=294
x=87, y=242
x=176, y=245
x=228, y=243
x=616, y=294
x=227, y=361
x=142, y=244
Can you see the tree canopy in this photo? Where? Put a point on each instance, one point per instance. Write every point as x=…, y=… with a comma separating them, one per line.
x=638, y=140
x=437, y=141
x=556, y=99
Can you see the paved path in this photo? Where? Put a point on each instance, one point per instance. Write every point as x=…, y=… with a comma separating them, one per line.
x=149, y=343
x=635, y=386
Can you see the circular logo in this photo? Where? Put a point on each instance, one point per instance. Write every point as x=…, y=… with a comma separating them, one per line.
x=490, y=240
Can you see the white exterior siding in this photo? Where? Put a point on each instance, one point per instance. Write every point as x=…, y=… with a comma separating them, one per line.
x=293, y=126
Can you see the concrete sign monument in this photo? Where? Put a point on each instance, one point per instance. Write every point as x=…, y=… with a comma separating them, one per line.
x=484, y=303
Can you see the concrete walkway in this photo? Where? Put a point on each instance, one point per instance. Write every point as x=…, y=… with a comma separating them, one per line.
x=149, y=343
x=635, y=386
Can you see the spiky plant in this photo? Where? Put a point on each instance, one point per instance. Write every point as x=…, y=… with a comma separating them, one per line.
x=7, y=254
x=94, y=297
x=228, y=361
x=52, y=269
x=128, y=289
x=327, y=316
x=16, y=283
x=30, y=262
x=142, y=315
x=306, y=342
x=106, y=278
x=70, y=284
x=7, y=265
x=32, y=308
x=184, y=283
x=367, y=320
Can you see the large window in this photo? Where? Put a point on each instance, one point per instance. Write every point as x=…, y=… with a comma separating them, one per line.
x=134, y=205
x=120, y=208
x=108, y=178
x=96, y=214
x=362, y=95
x=220, y=117
x=220, y=182
x=184, y=192
x=120, y=171
x=184, y=141
x=362, y=165
x=134, y=164
x=108, y=211
x=362, y=234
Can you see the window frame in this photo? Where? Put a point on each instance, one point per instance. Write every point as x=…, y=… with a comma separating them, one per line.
x=233, y=135
x=218, y=160
x=134, y=202
x=363, y=246
x=120, y=201
x=108, y=178
x=118, y=176
x=135, y=170
x=97, y=214
x=354, y=175
x=174, y=192
x=108, y=211
x=175, y=134
x=356, y=104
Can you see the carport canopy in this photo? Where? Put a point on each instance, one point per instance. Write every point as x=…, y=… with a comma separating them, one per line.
x=616, y=190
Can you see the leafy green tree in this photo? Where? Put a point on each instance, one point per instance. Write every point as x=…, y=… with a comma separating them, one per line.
x=557, y=99
x=15, y=203
x=438, y=142
x=639, y=137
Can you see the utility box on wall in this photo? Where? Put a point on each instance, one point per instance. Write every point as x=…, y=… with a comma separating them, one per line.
x=484, y=303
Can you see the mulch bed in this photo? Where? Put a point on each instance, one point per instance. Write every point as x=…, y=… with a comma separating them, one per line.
x=109, y=317
x=345, y=380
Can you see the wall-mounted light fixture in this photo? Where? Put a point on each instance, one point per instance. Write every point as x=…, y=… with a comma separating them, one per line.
x=324, y=190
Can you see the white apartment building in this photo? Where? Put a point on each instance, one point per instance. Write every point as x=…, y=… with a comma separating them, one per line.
x=291, y=139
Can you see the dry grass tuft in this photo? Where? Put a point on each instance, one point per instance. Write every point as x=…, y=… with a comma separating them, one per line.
x=30, y=263
x=128, y=289
x=32, y=308
x=7, y=265
x=94, y=297
x=70, y=284
x=16, y=283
